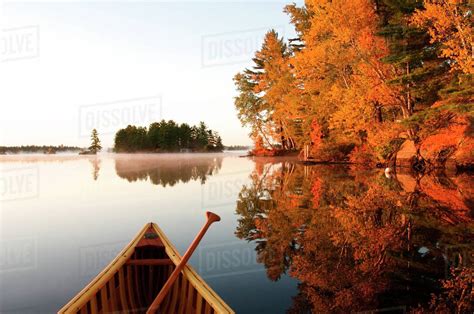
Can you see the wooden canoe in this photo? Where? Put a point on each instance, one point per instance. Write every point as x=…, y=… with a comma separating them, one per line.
x=130, y=283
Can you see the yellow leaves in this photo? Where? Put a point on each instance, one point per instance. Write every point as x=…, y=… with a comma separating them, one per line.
x=340, y=65
x=450, y=23
x=336, y=75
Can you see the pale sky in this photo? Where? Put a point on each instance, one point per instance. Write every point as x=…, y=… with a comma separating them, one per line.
x=67, y=67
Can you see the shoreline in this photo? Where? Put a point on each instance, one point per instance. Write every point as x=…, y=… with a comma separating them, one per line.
x=238, y=154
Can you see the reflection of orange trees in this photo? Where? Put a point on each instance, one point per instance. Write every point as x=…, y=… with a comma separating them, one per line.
x=273, y=209
x=448, y=200
x=316, y=188
x=354, y=239
x=456, y=296
x=167, y=170
x=343, y=258
x=371, y=225
x=445, y=192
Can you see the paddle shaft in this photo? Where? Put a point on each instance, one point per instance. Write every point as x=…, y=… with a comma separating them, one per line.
x=211, y=218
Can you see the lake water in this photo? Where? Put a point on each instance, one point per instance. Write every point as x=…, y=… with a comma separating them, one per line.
x=293, y=238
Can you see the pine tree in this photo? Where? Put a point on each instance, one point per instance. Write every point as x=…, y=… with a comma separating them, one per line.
x=202, y=136
x=219, y=145
x=211, y=140
x=366, y=72
x=95, y=142
x=449, y=25
x=419, y=71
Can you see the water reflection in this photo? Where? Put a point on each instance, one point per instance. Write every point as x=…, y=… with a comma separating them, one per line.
x=351, y=240
x=168, y=170
x=95, y=162
x=357, y=240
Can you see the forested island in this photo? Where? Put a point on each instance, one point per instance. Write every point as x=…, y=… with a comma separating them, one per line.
x=168, y=136
x=366, y=81
x=44, y=149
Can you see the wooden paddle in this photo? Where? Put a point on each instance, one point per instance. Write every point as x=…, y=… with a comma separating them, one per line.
x=211, y=218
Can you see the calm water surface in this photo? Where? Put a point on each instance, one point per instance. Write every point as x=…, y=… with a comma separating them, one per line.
x=292, y=238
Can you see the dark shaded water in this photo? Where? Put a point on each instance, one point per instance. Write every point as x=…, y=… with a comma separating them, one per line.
x=293, y=238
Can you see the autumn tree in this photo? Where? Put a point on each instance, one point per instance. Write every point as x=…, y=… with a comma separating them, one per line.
x=419, y=72
x=450, y=28
x=345, y=85
x=264, y=93
x=368, y=72
x=449, y=23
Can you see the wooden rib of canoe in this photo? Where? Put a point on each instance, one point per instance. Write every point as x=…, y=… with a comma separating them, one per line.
x=130, y=283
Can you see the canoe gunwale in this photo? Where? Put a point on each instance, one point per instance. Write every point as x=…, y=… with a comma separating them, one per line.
x=96, y=284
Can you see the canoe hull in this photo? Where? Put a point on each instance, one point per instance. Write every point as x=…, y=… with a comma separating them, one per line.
x=133, y=279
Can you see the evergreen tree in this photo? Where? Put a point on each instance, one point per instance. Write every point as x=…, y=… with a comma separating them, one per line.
x=202, y=136
x=450, y=26
x=95, y=142
x=132, y=139
x=185, y=136
x=211, y=140
x=360, y=73
x=166, y=136
x=219, y=145
x=420, y=72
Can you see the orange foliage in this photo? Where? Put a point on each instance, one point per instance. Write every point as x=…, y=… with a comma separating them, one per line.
x=340, y=65
x=316, y=192
x=453, y=137
x=345, y=238
x=359, y=68
x=450, y=22
x=260, y=150
x=363, y=155
x=456, y=295
x=316, y=134
x=449, y=197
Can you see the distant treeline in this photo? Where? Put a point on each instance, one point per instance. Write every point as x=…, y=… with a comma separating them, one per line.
x=48, y=149
x=237, y=147
x=168, y=136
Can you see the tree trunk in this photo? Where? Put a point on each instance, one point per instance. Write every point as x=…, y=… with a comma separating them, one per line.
x=282, y=137
x=409, y=104
x=265, y=137
x=378, y=113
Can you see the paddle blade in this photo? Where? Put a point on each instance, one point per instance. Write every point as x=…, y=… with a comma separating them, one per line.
x=212, y=217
